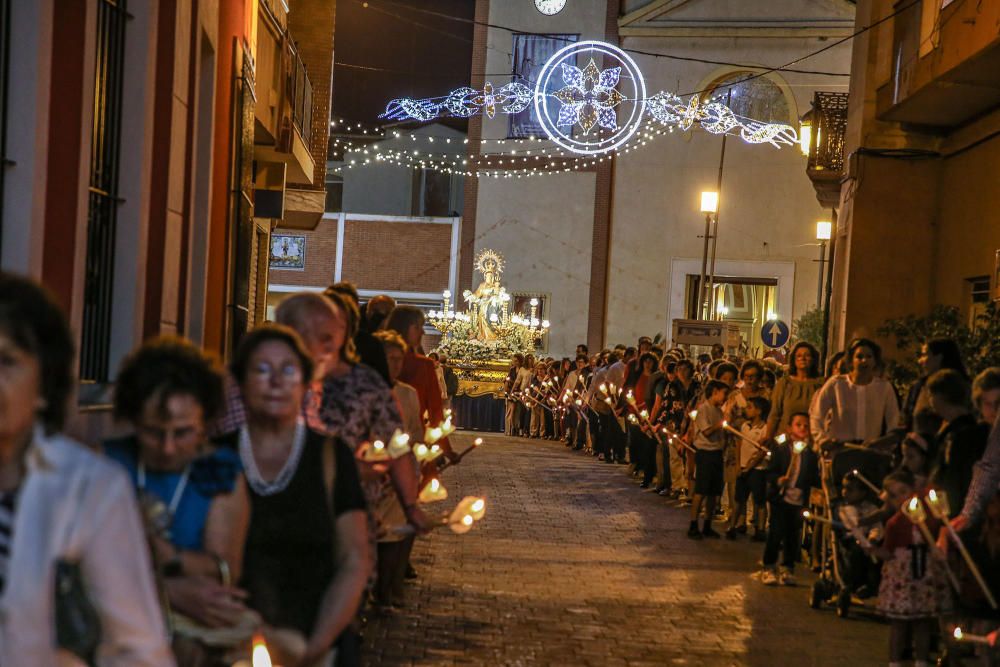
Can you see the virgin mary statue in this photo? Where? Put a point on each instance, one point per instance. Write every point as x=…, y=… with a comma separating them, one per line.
x=487, y=302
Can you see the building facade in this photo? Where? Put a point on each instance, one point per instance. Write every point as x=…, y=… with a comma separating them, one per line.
x=616, y=247
x=129, y=136
x=919, y=222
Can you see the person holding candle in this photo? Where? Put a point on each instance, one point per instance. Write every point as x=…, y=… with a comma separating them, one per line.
x=643, y=446
x=752, y=480
x=193, y=491
x=709, y=442
x=794, y=391
x=735, y=413
x=680, y=398
x=306, y=557
x=913, y=590
x=962, y=440
x=69, y=514
x=855, y=407
x=792, y=472
x=510, y=388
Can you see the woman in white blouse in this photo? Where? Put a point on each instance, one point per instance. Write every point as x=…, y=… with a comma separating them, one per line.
x=857, y=406
x=63, y=507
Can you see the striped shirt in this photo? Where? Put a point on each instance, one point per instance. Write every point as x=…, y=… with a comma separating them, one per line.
x=7, y=501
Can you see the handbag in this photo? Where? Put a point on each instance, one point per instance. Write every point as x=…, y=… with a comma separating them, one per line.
x=78, y=626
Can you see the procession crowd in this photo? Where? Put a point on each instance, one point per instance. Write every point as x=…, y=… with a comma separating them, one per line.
x=234, y=506
x=883, y=497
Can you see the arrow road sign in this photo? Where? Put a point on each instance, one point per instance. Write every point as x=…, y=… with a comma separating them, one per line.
x=774, y=333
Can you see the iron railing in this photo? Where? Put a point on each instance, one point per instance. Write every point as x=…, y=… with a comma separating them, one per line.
x=829, y=126
x=300, y=89
x=102, y=213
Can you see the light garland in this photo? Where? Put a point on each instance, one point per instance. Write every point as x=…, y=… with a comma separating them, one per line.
x=589, y=98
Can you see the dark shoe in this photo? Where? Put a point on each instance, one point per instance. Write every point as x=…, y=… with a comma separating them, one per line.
x=731, y=534
x=666, y=493
x=644, y=485
x=708, y=532
x=742, y=530
x=693, y=531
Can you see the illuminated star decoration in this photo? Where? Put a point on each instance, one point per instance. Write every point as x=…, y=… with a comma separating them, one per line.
x=590, y=97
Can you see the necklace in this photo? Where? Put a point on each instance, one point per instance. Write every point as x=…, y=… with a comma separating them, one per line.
x=281, y=481
x=175, y=500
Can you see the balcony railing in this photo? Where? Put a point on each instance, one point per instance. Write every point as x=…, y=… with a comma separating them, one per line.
x=829, y=127
x=300, y=93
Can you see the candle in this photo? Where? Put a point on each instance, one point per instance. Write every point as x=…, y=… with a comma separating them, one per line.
x=399, y=445
x=913, y=509
x=938, y=502
x=738, y=434
x=864, y=480
x=961, y=636
x=373, y=452
x=693, y=414
x=260, y=656
x=433, y=492
x=781, y=439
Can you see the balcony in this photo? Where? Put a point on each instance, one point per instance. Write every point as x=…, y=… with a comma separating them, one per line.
x=828, y=124
x=283, y=114
x=945, y=65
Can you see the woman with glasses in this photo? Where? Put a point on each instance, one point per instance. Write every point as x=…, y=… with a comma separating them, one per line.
x=192, y=493
x=306, y=559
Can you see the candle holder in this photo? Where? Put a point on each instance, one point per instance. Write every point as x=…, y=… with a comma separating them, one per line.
x=433, y=492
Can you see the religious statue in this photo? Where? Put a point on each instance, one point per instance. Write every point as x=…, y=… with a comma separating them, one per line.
x=489, y=302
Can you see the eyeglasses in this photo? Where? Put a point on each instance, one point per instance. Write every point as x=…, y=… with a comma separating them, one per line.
x=288, y=372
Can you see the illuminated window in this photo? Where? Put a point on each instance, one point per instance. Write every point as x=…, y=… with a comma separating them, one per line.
x=759, y=98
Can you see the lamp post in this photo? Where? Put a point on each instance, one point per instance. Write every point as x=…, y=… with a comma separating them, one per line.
x=709, y=206
x=823, y=232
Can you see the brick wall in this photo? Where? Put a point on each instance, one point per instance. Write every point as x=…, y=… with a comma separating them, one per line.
x=311, y=25
x=321, y=257
x=399, y=256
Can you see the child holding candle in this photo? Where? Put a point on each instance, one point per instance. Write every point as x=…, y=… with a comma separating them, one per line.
x=792, y=472
x=709, y=441
x=914, y=590
x=752, y=481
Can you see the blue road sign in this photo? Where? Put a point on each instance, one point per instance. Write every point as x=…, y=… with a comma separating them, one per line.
x=774, y=333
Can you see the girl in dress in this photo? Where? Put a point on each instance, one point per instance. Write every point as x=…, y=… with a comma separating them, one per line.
x=914, y=589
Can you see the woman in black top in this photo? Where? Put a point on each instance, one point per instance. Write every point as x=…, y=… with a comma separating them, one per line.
x=307, y=557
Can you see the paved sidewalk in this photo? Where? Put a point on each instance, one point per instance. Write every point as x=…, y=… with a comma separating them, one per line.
x=575, y=565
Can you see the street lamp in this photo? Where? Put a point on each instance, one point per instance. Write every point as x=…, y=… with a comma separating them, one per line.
x=824, y=230
x=709, y=206
x=805, y=132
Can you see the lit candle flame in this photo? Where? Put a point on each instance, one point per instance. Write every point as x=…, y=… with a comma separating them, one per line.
x=693, y=414
x=261, y=657
x=781, y=439
x=433, y=492
x=799, y=446
x=957, y=634
x=477, y=442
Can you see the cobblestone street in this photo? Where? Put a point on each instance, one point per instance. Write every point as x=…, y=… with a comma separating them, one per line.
x=574, y=565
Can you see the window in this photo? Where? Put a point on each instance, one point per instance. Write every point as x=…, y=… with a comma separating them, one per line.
x=759, y=98
x=334, y=192
x=102, y=210
x=435, y=193
x=529, y=54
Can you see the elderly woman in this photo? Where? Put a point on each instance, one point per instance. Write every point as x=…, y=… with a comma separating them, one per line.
x=192, y=493
x=794, y=391
x=348, y=399
x=68, y=517
x=306, y=558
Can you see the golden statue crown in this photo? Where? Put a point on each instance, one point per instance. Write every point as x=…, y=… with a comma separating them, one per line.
x=489, y=254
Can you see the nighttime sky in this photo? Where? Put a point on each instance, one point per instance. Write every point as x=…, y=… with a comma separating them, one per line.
x=398, y=48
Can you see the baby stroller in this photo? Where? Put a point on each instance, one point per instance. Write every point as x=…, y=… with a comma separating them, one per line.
x=846, y=570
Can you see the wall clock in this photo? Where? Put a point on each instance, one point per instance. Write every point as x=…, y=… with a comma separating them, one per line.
x=550, y=7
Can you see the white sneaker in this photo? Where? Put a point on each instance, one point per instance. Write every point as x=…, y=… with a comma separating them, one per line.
x=786, y=578
x=768, y=577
